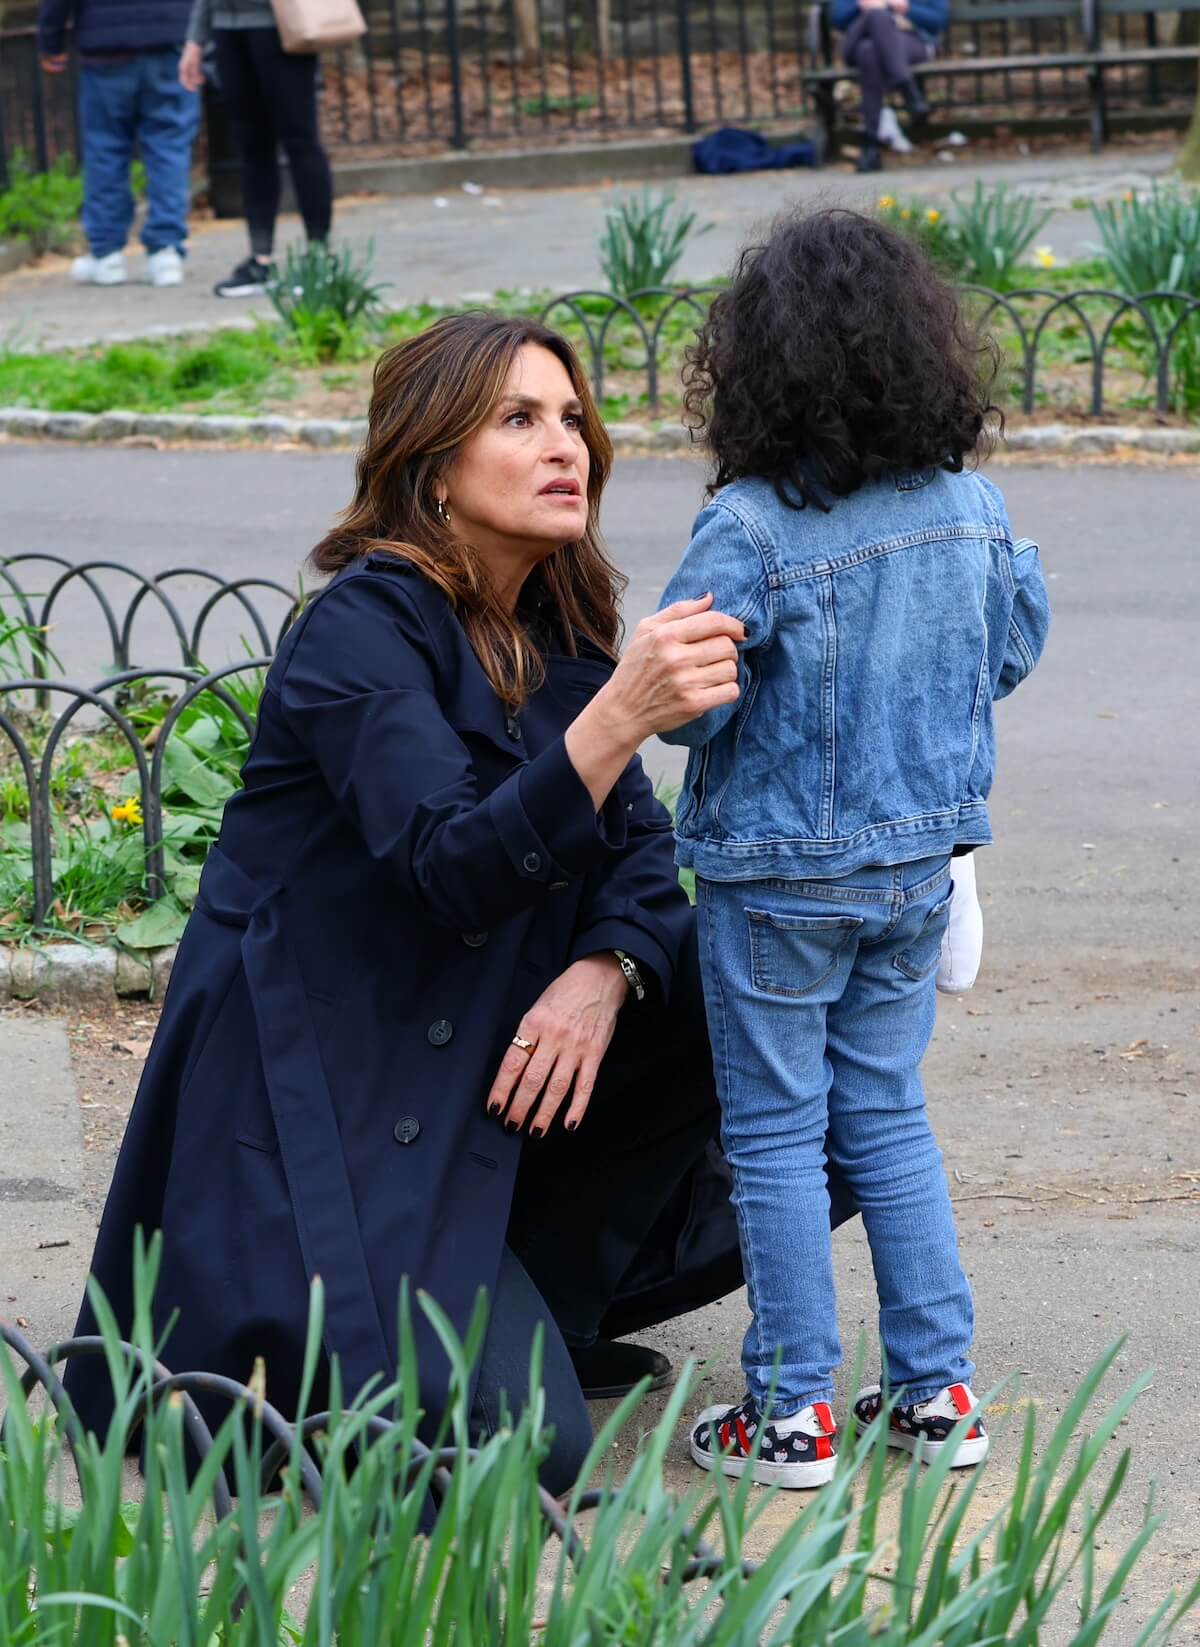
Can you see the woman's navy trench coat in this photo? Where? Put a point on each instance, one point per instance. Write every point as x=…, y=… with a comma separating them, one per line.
x=407, y=868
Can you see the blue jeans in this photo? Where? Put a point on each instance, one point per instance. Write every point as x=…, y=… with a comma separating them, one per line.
x=820, y=998
x=136, y=102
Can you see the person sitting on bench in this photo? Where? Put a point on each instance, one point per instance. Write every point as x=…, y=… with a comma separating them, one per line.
x=884, y=40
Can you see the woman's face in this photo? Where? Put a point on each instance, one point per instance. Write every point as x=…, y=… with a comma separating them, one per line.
x=518, y=488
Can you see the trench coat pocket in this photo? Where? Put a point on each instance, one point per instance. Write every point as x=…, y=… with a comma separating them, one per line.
x=267, y=1146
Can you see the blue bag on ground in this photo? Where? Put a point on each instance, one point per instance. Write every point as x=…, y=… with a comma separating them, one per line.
x=734, y=150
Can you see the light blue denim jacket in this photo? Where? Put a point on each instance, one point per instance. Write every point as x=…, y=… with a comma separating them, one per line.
x=878, y=636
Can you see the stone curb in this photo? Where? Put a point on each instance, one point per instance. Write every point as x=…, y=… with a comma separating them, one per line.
x=76, y=975
x=343, y=433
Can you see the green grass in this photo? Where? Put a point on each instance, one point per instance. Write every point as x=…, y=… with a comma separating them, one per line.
x=230, y=370
x=887, y=1555
x=240, y=372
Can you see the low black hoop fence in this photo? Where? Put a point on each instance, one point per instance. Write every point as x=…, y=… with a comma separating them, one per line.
x=238, y=1498
x=1093, y=351
x=285, y=1441
x=112, y=787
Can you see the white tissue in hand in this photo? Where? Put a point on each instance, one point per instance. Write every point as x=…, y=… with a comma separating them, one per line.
x=962, y=946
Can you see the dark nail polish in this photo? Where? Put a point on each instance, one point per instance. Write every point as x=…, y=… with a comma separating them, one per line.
x=537, y=1132
x=571, y=1125
x=494, y=1109
x=512, y=1126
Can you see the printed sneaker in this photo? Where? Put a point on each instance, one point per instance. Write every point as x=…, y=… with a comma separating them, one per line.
x=100, y=271
x=249, y=277
x=795, y=1452
x=164, y=267
x=929, y=1421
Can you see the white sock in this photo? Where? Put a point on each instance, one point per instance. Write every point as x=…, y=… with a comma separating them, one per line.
x=962, y=947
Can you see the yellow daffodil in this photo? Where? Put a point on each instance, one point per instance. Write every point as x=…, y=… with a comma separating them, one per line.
x=1044, y=257
x=933, y=215
x=886, y=202
x=905, y=213
x=129, y=811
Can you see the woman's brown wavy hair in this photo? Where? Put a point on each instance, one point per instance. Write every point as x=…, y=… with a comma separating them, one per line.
x=430, y=393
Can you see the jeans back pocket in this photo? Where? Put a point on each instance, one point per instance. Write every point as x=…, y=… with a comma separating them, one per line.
x=920, y=958
x=790, y=955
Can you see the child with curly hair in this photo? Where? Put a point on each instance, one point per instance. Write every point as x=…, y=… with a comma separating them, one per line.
x=886, y=605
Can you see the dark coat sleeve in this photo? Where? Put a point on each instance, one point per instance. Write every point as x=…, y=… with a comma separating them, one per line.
x=52, y=25
x=359, y=691
x=635, y=901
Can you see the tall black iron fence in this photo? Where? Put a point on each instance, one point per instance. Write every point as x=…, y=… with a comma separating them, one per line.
x=438, y=73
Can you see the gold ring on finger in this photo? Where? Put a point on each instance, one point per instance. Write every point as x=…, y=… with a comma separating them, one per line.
x=527, y=1047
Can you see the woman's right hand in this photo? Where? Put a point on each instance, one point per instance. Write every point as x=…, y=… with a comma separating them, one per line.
x=680, y=663
x=191, y=67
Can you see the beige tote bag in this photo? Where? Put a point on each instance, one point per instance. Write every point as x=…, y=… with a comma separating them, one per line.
x=317, y=25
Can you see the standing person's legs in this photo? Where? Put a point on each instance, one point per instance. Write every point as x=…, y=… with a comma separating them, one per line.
x=108, y=114
x=880, y=1138
x=289, y=84
x=771, y=971
x=252, y=109
x=167, y=120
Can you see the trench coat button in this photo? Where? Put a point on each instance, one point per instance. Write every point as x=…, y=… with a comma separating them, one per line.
x=406, y=1130
x=533, y=862
x=474, y=940
x=513, y=727
x=440, y=1032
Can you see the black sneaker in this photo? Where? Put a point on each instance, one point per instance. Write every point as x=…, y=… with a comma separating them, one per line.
x=927, y=1425
x=248, y=278
x=795, y=1452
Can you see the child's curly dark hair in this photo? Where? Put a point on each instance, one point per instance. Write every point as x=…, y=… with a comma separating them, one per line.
x=836, y=355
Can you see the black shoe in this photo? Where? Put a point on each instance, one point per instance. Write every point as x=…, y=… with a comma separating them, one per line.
x=608, y=1370
x=869, y=157
x=915, y=101
x=248, y=278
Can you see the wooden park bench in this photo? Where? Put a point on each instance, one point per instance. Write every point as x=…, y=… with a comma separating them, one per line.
x=1086, y=18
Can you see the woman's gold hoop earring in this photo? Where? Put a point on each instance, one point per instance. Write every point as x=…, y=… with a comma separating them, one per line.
x=442, y=511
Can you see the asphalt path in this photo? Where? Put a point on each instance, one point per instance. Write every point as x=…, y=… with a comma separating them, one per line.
x=1064, y=1089
x=457, y=245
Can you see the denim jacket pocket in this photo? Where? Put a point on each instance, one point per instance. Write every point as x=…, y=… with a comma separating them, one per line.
x=921, y=956
x=790, y=955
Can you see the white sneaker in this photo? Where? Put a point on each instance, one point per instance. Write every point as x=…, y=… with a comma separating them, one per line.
x=164, y=267
x=962, y=946
x=926, y=1426
x=100, y=271
x=799, y=1451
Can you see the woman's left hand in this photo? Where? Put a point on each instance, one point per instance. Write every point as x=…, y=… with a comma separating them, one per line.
x=571, y=1025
